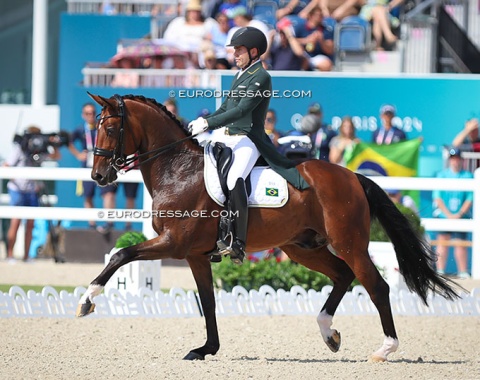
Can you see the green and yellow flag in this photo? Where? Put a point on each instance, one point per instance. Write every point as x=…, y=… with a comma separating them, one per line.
x=396, y=160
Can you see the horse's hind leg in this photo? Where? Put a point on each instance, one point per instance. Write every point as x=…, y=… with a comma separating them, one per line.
x=322, y=260
x=379, y=291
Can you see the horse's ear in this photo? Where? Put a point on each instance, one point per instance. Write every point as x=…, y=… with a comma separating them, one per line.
x=100, y=100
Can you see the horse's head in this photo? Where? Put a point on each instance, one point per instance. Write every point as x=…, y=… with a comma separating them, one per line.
x=112, y=145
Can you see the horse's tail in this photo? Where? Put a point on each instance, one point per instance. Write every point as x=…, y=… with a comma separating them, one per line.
x=414, y=255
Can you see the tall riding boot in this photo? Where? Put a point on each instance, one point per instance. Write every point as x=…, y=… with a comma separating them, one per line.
x=238, y=211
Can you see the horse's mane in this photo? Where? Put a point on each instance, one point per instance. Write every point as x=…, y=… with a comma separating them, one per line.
x=162, y=108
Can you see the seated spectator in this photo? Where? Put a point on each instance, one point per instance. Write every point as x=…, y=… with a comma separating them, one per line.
x=210, y=60
x=342, y=145
x=217, y=39
x=125, y=78
x=387, y=133
x=378, y=13
x=405, y=200
x=230, y=9
x=285, y=52
x=336, y=9
x=188, y=32
x=294, y=7
x=316, y=39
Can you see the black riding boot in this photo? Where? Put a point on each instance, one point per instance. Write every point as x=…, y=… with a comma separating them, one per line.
x=232, y=243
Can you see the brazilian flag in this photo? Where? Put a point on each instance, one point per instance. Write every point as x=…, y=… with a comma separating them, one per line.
x=396, y=160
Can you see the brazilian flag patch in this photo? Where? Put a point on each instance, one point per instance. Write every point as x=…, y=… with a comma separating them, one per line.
x=271, y=192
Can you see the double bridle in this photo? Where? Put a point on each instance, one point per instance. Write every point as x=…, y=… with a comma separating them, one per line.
x=119, y=161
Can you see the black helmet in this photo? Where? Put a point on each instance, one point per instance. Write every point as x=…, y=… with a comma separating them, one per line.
x=250, y=37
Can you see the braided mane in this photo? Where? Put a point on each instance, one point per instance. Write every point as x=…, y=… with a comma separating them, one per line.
x=159, y=105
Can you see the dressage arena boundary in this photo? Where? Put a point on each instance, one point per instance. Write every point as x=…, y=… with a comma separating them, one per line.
x=264, y=302
x=83, y=214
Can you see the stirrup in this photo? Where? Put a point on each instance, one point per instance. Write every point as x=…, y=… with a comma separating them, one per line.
x=223, y=247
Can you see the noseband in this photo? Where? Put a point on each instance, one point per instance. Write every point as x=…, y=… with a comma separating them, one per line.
x=119, y=161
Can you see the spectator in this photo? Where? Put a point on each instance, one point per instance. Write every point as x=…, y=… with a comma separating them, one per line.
x=336, y=9
x=210, y=60
x=285, y=52
x=86, y=135
x=453, y=204
x=171, y=105
x=378, y=13
x=294, y=7
x=387, y=133
x=125, y=78
x=230, y=8
x=341, y=146
x=188, y=32
x=397, y=197
x=25, y=192
x=317, y=40
x=270, y=122
x=320, y=133
x=217, y=38
x=468, y=135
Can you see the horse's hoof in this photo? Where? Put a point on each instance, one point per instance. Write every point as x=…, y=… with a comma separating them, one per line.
x=84, y=309
x=194, y=356
x=334, y=341
x=376, y=359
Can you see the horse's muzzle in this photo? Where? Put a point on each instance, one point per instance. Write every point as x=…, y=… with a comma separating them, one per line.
x=104, y=180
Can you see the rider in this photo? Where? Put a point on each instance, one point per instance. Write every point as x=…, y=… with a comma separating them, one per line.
x=243, y=116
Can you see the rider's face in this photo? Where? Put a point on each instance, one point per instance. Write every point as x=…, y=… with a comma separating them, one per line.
x=241, y=56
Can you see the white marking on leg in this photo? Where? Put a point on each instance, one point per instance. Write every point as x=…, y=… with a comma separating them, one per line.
x=92, y=291
x=324, y=321
x=389, y=345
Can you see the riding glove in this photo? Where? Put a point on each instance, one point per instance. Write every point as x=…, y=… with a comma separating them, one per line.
x=198, y=126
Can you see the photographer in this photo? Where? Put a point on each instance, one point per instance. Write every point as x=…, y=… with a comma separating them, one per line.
x=31, y=150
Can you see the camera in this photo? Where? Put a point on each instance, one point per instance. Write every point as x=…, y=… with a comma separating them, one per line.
x=34, y=144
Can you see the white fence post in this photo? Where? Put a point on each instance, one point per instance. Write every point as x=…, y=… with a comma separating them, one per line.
x=476, y=226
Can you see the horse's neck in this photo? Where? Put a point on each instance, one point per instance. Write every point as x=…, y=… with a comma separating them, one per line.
x=181, y=165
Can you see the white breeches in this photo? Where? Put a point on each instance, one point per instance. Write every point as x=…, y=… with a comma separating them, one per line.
x=245, y=154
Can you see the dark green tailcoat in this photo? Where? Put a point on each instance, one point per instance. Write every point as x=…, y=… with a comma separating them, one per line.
x=243, y=112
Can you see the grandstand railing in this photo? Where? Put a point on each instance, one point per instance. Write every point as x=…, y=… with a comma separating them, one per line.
x=125, y=7
x=102, y=77
x=401, y=183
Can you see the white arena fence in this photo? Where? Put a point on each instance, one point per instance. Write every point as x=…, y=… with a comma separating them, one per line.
x=83, y=214
x=264, y=302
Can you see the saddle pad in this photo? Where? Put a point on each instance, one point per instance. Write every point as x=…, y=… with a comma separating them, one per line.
x=269, y=189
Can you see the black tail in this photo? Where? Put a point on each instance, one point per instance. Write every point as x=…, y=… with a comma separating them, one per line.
x=415, y=256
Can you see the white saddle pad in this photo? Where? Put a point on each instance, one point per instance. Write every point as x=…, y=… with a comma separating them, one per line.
x=269, y=189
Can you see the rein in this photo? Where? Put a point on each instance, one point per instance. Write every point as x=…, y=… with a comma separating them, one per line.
x=119, y=161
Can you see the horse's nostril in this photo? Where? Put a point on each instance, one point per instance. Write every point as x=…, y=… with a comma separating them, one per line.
x=96, y=176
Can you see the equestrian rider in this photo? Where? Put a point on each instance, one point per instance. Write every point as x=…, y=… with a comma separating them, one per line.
x=243, y=116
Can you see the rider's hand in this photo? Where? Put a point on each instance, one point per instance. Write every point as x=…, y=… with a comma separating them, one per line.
x=198, y=126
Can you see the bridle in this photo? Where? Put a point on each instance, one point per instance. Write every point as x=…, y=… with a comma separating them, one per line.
x=119, y=161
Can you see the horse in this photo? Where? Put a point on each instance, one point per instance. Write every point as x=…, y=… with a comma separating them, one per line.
x=325, y=227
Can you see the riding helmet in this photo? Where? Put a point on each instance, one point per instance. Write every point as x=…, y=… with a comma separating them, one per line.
x=250, y=37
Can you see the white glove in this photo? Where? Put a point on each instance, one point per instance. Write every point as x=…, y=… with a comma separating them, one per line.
x=198, y=126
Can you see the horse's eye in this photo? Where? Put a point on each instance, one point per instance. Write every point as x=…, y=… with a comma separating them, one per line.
x=110, y=131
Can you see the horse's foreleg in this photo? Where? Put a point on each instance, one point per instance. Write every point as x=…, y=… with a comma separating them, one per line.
x=325, y=262
x=202, y=272
x=142, y=251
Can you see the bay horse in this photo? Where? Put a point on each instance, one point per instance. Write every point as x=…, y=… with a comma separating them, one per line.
x=333, y=215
